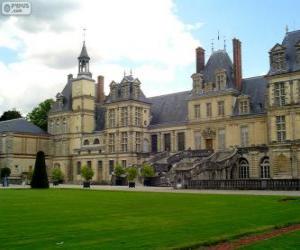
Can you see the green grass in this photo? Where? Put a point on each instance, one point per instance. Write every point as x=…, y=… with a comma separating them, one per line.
x=286, y=241
x=84, y=219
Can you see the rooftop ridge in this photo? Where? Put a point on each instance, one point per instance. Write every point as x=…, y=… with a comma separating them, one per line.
x=21, y=118
x=176, y=93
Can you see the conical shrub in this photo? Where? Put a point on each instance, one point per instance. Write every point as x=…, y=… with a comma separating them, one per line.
x=39, y=176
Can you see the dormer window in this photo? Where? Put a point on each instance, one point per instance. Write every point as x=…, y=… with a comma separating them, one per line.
x=220, y=80
x=277, y=57
x=244, y=106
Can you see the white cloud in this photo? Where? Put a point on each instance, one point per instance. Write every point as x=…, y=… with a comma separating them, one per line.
x=144, y=35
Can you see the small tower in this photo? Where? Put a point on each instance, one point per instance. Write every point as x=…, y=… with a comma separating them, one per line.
x=83, y=63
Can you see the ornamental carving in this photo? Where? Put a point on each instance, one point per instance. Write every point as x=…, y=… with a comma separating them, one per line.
x=208, y=133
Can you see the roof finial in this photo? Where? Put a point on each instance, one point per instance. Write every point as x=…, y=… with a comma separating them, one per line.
x=224, y=43
x=130, y=72
x=212, y=45
x=286, y=29
x=124, y=72
x=84, y=31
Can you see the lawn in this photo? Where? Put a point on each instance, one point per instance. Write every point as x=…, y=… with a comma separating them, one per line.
x=86, y=219
x=285, y=241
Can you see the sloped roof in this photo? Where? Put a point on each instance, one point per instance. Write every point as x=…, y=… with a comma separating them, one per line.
x=169, y=109
x=83, y=53
x=67, y=99
x=20, y=125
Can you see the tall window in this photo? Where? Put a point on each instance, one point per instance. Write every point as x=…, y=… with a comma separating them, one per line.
x=279, y=93
x=167, y=142
x=111, y=164
x=244, y=106
x=197, y=111
x=89, y=164
x=244, y=169
x=181, y=141
x=221, y=108
x=220, y=80
x=78, y=168
x=265, y=168
x=244, y=136
x=124, y=116
x=138, y=116
x=197, y=136
x=124, y=141
x=124, y=163
x=278, y=60
x=111, y=143
x=208, y=109
x=138, y=141
x=221, y=138
x=112, y=118
x=280, y=126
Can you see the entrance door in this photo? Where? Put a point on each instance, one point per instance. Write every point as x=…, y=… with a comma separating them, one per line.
x=209, y=143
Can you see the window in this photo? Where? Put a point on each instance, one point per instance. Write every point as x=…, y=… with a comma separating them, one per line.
x=208, y=109
x=111, y=143
x=197, y=111
x=244, y=136
x=279, y=93
x=124, y=116
x=124, y=140
x=111, y=118
x=124, y=163
x=64, y=126
x=138, y=141
x=265, y=168
x=100, y=165
x=280, y=126
x=78, y=168
x=278, y=60
x=220, y=80
x=221, y=108
x=244, y=106
x=221, y=138
x=181, y=141
x=89, y=164
x=138, y=116
x=167, y=142
x=244, y=169
x=86, y=142
x=197, y=136
x=111, y=164
x=96, y=141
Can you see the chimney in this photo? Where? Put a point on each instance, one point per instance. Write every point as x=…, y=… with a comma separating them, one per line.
x=237, y=63
x=100, y=89
x=70, y=77
x=200, y=59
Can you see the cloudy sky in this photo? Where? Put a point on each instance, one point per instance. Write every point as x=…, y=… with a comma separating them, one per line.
x=156, y=39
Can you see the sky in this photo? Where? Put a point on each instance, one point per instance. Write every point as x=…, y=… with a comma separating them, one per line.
x=156, y=39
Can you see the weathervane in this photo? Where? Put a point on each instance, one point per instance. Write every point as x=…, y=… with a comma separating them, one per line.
x=212, y=45
x=224, y=43
x=286, y=29
x=84, y=31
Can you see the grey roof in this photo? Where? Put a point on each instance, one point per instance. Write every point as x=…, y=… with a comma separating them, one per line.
x=169, y=109
x=290, y=40
x=255, y=87
x=20, y=125
x=66, y=97
x=217, y=61
x=83, y=53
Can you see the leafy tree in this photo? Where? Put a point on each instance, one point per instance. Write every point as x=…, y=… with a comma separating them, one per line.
x=57, y=175
x=39, y=114
x=39, y=176
x=119, y=170
x=87, y=173
x=147, y=171
x=10, y=114
x=131, y=173
x=5, y=172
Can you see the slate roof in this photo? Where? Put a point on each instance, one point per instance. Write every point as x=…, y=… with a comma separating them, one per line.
x=217, y=61
x=20, y=125
x=67, y=99
x=83, y=53
x=289, y=42
x=169, y=109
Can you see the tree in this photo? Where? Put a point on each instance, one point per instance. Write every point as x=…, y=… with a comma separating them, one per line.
x=147, y=171
x=131, y=173
x=39, y=114
x=87, y=173
x=57, y=175
x=39, y=176
x=10, y=114
x=5, y=172
x=119, y=170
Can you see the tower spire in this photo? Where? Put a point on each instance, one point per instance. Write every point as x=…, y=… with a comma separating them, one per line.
x=84, y=60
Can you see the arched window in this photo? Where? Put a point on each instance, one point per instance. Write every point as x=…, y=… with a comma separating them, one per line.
x=64, y=125
x=96, y=141
x=244, y=169
x=57, y=130
x=86, y=142
x=265, y=168
x=57, y=165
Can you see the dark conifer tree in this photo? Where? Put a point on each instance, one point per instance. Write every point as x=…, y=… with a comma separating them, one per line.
x=39, y=176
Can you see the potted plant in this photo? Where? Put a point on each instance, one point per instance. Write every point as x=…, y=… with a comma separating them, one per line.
x=119, y=172
x=5, y=173
x=57, y=176
x=147, y=172
x=87, y=173
x=131, y=175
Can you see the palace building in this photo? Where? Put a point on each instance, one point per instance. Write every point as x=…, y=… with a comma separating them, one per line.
x=224, y=127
